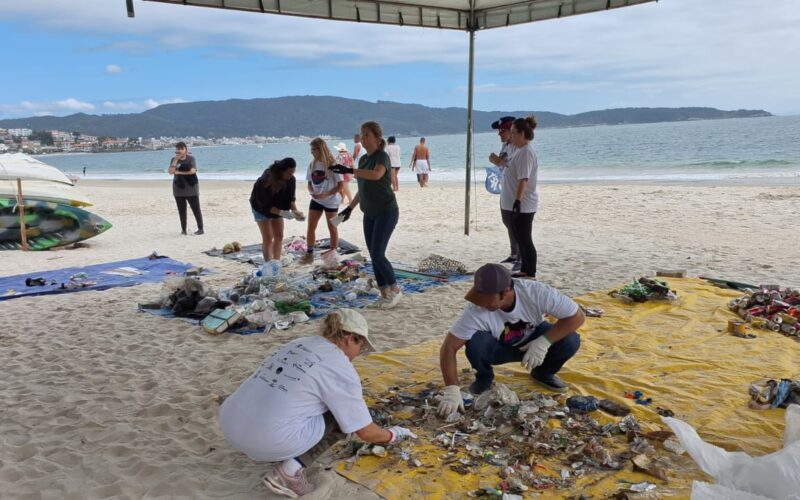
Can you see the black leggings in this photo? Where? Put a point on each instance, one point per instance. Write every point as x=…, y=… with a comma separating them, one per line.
x=522, y=226
x=194, y=203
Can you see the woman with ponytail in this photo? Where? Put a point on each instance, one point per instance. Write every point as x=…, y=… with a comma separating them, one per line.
x=520, y=195
x=379, y=205
x=301, y=400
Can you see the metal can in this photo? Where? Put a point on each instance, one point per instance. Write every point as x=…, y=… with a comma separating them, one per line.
x=757, y=322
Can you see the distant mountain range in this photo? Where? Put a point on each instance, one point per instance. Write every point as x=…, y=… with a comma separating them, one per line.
x=333, y=116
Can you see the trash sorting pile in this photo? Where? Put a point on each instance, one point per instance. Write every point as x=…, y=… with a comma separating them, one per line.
x=535, y=443
x=774, y=394
x=434, y=263
x=770, y=308
x=644, y=289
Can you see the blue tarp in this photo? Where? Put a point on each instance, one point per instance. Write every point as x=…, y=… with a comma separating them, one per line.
x=152, y=271
x=325, y=302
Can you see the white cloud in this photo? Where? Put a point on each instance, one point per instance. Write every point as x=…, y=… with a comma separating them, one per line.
x=43, y=108
x=113, y=69
x=122, y=106
x=152, y=103
x=726, y=53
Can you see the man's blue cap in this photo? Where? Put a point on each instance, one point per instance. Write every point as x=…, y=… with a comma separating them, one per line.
x=504, y=122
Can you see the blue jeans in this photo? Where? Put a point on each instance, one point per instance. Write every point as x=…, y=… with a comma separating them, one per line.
x=377, y=231
x=484, y=351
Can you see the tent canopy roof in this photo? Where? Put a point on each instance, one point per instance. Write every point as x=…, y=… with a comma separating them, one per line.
x=444, y=14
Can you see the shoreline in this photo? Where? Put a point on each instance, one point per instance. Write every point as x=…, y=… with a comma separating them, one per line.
x=788, y=182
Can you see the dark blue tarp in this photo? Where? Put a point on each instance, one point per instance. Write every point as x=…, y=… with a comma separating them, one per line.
x=152, y=271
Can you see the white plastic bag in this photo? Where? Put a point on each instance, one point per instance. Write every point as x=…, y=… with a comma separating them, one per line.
x=776, y=475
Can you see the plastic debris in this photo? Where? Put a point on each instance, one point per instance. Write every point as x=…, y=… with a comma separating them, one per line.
x=774, y=393
x=645, y=289
x=582, y=404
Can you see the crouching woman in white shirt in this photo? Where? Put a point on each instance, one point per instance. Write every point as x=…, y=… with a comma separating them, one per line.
x=301, y=400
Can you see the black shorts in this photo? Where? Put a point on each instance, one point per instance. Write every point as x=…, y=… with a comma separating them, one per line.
x=320, y=208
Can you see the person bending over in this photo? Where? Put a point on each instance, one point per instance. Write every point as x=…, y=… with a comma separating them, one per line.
x=503, y=323
x=272, y=200
x=301, y=400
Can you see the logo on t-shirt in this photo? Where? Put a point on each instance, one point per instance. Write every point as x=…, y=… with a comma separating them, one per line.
x=318, y=177
x=514, y=333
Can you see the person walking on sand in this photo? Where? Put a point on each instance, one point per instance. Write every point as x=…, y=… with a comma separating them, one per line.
x=503, y=323
x=393, y=150
x=272, y=200
x=421, y=162
x=379, y=205
x=503, y=127
x=185, y=186
x=324, y=185
x=301, y=400
x=520, y=195
x=344, y=158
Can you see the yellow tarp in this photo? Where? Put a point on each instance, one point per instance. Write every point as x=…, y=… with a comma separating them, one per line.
x=679, y=354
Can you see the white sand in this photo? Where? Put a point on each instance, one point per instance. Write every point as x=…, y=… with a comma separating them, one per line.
x=99, y=400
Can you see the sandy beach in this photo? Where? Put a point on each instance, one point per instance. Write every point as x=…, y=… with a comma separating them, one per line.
x=100, y=400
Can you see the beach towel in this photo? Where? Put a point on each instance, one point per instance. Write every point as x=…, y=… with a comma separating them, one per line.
x=97, y=277
x=677, y=353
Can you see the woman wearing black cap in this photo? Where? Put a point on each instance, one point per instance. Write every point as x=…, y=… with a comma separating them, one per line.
x=503, y=127
x=272, y=200
x=520, y=195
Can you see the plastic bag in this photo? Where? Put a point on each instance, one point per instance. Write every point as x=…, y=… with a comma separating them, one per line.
x=774, y=476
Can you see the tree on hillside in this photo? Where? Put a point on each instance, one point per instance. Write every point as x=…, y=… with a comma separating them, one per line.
x=43, y=136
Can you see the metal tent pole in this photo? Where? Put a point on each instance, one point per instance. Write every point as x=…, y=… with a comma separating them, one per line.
x=469, y=116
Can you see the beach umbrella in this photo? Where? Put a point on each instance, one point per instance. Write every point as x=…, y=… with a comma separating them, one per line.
x=463, y=15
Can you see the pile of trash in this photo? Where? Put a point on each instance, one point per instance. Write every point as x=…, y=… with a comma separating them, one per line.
x=774, y=394
x=434, y=263
x=644, y=289
x=515, y=436
x=770, y=308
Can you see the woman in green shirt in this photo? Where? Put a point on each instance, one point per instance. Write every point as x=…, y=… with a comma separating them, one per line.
x=379, y=205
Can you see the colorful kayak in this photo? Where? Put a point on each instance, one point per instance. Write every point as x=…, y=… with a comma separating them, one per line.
x=48, y=224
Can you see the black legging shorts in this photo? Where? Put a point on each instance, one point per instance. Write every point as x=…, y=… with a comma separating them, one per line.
x=194, y=203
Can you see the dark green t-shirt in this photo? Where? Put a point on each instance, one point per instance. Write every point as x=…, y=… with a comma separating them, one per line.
x=377, y=196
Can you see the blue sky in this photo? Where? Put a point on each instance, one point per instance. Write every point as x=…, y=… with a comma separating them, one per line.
x=66, y=57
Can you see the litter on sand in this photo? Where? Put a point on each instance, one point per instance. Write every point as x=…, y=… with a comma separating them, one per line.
x=767, y=307
x=644, y=289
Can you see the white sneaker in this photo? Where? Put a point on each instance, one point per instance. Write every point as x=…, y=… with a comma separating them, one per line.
x=392, y=300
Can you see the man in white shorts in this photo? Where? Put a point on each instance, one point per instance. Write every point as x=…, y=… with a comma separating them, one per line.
x=421, y=162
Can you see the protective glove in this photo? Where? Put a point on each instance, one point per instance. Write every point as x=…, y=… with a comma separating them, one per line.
x=400, y=434
x=299, y=215
x=287, y=214
x=535, y=351
x=515, y=210
x=345, y=214
x=451, y=401
x=340, y=169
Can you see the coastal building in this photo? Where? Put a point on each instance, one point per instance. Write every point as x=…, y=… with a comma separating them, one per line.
x=20, y=132
x=60, y=136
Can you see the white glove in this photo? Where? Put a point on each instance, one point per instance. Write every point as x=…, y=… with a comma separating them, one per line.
x=400, y=434
x=287, y=214
x=535, y=352
x=451, y=401
x=299, y=215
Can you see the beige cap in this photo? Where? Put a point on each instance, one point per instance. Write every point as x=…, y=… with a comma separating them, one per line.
x=354, y=322
x=341, y=146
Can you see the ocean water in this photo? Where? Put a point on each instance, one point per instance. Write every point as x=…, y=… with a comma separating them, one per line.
x=712, y=150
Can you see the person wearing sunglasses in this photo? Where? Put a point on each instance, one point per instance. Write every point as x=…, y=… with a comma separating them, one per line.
x=301, y=400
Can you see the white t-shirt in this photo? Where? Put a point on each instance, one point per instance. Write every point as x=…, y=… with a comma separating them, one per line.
x=521, y=165
x=393, y=150
x=276, y=414
x=320, y=183
x=509, y=150
x=534, y=300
